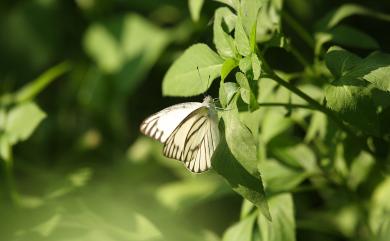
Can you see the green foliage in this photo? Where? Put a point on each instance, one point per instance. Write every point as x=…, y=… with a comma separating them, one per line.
x=195, y=8
x=305, y=136
x=193, y=72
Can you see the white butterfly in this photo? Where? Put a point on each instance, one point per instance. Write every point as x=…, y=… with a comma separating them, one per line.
x=189, y=132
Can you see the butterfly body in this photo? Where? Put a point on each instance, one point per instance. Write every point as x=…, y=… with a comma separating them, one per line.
x=189, y=132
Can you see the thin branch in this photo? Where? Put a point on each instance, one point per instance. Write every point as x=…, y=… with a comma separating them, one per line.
x=287, y=105
x=312, y=102
x=305, y=36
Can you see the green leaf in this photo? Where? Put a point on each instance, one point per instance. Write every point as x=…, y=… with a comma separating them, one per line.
x=317, y=127
x=281, y=178
x=193, y=72
x=269, y=20
x=282, y=226
x=195, y=8
x=126, y=47
x=242, y=182
x=383, y=233
x=102, y=46
x=246, y=208
x=241, y=231
x=5, y=148
x=252, y=37
x=224, y=23
x=375, y=69
x=340, y=61
x=379, y=207
x=185, y=194
x=335, y=17
x=246, y=92
x=256, y=66
x=227, y=92
x=30, y=90
x=22, y=120
x=245, y=88
x=249, y=13
x=240, y=141
x=352, y=95
x=241, y=38
x=245, y=65
x=360, y=168
x=352, y=37
x=349, y=36
x=294, y=155
x=274, y=123
x=227, y=67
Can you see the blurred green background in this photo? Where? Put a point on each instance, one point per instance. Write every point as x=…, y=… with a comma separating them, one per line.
x=85, y=173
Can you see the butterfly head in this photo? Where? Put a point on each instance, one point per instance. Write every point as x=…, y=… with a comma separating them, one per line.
x=208, y=101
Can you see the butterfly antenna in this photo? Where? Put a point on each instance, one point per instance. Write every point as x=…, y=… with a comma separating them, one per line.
x=222, y=109
x=200, y=78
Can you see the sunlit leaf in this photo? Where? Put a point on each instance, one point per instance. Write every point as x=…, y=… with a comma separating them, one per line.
x=227, y=67
x=17, y=128
x=227, y=92
x=340, y=61
x=224, y=22
x=195, y=8
x=240, y=141
x=193, y=72
x=268, y=21
x=245, y=65
x=336, y=16
x=383, y=233
x=360, y=168
x=249, y=13
x=127, y=46
x=187, y=193
x=256, y=66
x=380, y=206
x=278, y=177
x=242, y=182
x=351, y=94
x=282, y=226
x=241, y=38
x=241, y=231
x=46, y=228
x=246, y=91
x=5, y=148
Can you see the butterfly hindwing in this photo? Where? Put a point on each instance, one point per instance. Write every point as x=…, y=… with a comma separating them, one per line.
x=194, y=140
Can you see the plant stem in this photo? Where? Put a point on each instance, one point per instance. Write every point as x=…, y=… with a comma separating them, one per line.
x=8, y=179
x=308, y=99
x=305, y=36
x=286, y=105
x=299, y=56
x=312, y=102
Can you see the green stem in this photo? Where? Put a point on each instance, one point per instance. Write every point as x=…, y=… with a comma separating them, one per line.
x=305, y=36
x=332, y=115
x=301, y=59
x=9, y=186
x=286, y=105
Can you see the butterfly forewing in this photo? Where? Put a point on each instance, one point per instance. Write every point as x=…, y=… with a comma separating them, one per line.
x=161, y=125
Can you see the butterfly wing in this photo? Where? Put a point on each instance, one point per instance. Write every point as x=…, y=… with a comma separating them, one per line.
x=195, y=140
x=161, y=125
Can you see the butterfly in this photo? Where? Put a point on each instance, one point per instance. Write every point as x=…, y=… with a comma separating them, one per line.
x=189, y=132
